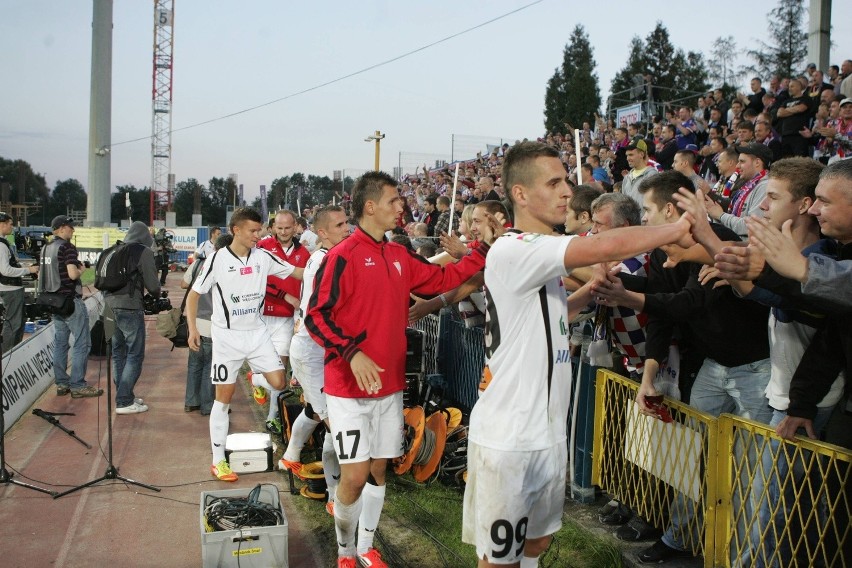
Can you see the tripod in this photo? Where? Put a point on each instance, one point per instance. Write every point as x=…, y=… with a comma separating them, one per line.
x=5, y=476
x=108, y=319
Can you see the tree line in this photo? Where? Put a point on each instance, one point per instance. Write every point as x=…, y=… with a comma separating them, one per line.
x=572, y=95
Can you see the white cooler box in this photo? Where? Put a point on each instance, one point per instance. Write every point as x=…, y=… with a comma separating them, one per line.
x=249, y=452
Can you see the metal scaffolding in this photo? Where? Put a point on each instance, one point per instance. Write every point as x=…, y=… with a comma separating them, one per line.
x=161, y=120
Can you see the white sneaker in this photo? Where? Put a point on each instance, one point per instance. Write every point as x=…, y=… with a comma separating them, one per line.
x=139, y=400
x=132, y=409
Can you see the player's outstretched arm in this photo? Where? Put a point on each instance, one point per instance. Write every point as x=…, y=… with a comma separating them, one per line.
x=626, y=242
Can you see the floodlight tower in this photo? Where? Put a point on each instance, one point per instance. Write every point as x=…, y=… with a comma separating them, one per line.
x=161, y=121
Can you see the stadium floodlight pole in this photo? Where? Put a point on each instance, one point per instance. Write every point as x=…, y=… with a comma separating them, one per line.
x=579, y=170
x=453, y=201
x=377, y=137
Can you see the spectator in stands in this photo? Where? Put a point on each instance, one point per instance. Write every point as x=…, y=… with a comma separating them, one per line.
x=685, y=125
x=843, y=86
x=721, y=104
x=598, y=172
x=732, y=335
x=684, y=163
x=709, y=170
x=11, y=287
x=753, y=162
x=637, y=158
x=792, y=118
x=579, y=217
x=432, y=213
x=745, y=132
x=764, y=135
x=735, y=114
x=420, y=235
x=666, y=152
x=620, y=165
x=443, y=224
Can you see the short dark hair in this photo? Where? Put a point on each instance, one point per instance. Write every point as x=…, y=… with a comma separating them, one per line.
x=517, y=164
x=745, y=125
x=840, y=169
x=432, y=200
x=242, y=215
x=322, y=217
x=720, y=140
x=687, y=155
x=664, y=185
x=802, y=174
x=582, y=199
x=302, y=222
x=369, y=187
x=443, y=200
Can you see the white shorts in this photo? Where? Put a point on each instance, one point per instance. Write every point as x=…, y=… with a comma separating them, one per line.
x=364, y=428
x=307, y=360
x=233, y=347
x=512, y=496
x=281, y=332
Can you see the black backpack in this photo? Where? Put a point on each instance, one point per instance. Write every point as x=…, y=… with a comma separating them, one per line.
x=116, y=266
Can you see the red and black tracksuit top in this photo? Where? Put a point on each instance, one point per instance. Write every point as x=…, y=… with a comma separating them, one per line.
x=360, y=303
x=274, y=304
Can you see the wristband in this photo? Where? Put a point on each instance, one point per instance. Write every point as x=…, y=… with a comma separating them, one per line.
x=443, y=300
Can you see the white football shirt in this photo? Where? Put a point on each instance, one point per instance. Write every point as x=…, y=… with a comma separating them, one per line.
x=525, y=406
x=311, y=269
x=239, y=286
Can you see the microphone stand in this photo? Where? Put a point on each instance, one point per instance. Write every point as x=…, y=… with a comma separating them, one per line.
x=5, y=476
x=108, y=319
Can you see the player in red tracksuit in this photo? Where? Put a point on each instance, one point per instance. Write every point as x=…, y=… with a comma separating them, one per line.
x=359, y=312
x=278, y=304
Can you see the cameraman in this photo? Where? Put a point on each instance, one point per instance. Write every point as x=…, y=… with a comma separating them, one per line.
x=128, y=341
x=11, y=287
x=163, y=242
x=61, y=270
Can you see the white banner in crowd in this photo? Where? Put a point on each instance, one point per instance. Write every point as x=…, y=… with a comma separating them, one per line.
x=628, y=114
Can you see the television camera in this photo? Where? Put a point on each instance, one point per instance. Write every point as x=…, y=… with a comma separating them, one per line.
x=154, y=305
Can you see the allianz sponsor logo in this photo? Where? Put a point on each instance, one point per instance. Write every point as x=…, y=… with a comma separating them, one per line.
x=563, y=356
x=243, y=311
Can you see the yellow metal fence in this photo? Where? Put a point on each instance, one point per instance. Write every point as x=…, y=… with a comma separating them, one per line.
x=729, y=488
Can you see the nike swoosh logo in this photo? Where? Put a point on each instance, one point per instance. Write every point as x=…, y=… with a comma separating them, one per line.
x=335, y=477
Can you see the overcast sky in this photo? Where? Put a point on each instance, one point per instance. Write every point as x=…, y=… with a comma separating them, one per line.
x=229, y=56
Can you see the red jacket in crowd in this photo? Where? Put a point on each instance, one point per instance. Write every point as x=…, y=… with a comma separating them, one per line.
x=276, y=288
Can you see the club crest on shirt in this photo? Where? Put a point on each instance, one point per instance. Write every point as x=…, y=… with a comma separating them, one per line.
x=398, y=267
x=369, y=261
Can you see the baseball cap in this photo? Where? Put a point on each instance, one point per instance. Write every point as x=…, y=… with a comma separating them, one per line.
x=638, y=145
x=4, y=217
x=61, y=221
x=846, y=101
x=757, y=150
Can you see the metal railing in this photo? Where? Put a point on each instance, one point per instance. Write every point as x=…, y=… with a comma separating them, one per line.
x=730, y=488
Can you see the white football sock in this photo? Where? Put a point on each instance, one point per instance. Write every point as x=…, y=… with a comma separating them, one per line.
x=300, y=431
x=374, y=499
x=529, y=562
x=219, y=424
x=345, y=522
x=330, y=465
x=273, y=404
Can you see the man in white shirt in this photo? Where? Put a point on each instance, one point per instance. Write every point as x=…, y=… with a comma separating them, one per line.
x=309, y=239
x=238, y=274
x=517, y=450
x=208, y=247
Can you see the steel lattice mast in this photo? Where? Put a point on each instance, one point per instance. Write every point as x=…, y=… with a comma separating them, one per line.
x=161, y=110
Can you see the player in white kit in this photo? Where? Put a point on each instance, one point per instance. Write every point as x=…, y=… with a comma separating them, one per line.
x=237, y=275
x=307, y=358
x=517, y=440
